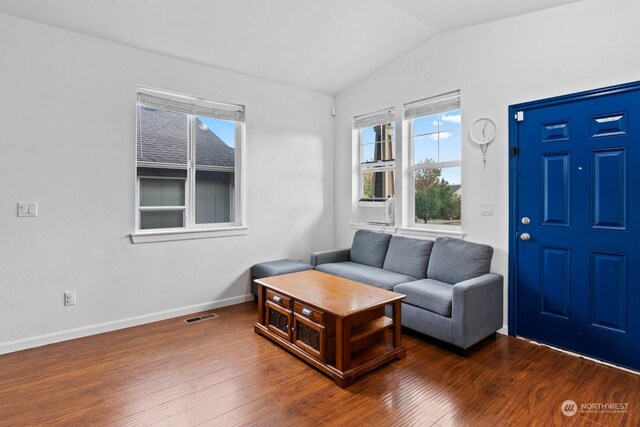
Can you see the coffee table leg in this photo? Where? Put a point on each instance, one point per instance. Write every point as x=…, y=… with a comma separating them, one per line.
x=343, y=344
x=397, y=324
x=261, y=305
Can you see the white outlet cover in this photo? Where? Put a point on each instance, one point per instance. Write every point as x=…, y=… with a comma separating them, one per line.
x=69, y=298
x=27, y=209
x=486, y=208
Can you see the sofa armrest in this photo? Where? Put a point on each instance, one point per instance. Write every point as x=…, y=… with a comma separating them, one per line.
x=325, y=257
x=477, y=309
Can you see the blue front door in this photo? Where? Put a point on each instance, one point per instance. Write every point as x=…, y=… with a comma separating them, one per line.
x=576, y=223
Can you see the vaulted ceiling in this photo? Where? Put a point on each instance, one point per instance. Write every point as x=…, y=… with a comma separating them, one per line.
x=319, y=45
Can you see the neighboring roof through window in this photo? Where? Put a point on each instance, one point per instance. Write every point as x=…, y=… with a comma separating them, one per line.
x=162, y=137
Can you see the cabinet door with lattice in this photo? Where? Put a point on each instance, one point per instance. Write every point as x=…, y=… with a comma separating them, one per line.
x=309, y=336
x=279, y=320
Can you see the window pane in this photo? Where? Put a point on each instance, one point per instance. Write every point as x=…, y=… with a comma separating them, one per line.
x=162, y=136
x=378, y=151
x=449, y=145
x=368, y=151
x=425, y=149
x=215, y=197
x=438, y=194
x=378, y=185
x=385, y=150
x=161, y=219
x=215, y=170
x=425, y=125
x=369, y=135
x=441, y=145
x=377, y=143
x=161, y=192
x=215, y=142
x=449, y=120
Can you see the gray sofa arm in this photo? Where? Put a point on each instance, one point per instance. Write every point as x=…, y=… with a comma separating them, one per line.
x=325, y=257
x=477, y=309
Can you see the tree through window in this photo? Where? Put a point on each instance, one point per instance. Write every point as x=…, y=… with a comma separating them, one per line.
x=435, y=138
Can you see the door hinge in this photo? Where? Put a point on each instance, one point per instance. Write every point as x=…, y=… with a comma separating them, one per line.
x=514, y=151
x=519, y=116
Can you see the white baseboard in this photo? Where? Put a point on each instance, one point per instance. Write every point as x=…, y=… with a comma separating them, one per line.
x=504, y=330
x=40, y=340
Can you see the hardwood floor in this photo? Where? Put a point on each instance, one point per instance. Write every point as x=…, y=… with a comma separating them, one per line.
x=218, y=372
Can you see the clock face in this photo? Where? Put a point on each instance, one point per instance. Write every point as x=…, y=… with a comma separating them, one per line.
x=483, y=131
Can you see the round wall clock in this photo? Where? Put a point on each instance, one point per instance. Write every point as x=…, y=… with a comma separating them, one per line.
x=483, y=131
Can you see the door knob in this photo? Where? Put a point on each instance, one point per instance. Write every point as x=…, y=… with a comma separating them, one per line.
x=525, y=236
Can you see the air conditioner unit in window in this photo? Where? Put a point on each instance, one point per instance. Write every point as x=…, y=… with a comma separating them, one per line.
x=377, y=212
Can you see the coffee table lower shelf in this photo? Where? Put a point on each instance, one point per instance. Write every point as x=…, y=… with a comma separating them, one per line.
x=336, y=325
x=362, y=362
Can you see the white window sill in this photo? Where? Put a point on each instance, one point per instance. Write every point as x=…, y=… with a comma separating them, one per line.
x=435, y=232
x=414, y=231
x=390, y=228
x=186, y=234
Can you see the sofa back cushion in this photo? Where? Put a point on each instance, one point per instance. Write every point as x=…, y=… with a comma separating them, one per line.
x=408, y=256
x=454, y=260
x=369, y=248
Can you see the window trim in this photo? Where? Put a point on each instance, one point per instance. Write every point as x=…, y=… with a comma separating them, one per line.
x=412, y=225
x=359, y=124
x=174, y=234
x=191, y=230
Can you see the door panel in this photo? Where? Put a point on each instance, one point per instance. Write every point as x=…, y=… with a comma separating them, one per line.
x=578, y=276
x=556, y=195
x=609, y=189
x=555, y=283
x=608, y=291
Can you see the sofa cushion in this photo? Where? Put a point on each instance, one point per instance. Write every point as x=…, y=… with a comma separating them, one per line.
x=432, y=295
x=275, y=268
x=365, y=274
x=408, y=256
x=369, y=248
x=454, y=260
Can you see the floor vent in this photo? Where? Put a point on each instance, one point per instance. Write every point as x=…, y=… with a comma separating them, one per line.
x=200, y=318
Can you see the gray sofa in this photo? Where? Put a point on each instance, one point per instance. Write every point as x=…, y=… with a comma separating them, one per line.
x=450, y=293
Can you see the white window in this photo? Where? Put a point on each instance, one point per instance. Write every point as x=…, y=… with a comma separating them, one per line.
x=376, y=155
x=187, y=162
x=436, y=168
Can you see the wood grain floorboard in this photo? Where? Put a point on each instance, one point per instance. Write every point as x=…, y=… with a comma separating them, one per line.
x=219, y=373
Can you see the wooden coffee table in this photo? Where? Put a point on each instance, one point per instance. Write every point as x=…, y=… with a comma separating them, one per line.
x=334, y=324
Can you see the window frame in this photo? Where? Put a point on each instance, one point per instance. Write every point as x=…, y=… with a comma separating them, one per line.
x=378, y=118
x=414, y=167
x=191, y=229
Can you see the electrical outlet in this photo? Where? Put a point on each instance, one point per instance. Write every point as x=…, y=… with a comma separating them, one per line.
x=70, y=298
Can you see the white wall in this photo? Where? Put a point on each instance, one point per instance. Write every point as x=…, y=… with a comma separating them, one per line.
x=577, y=47
x=67, y=139
x=67, y=124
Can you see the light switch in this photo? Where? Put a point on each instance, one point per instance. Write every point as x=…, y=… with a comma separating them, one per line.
x=27, y=209
x=486, y=208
